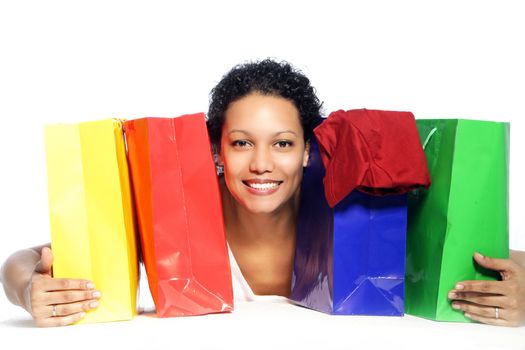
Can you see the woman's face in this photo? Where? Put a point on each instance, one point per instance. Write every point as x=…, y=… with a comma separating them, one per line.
x=263, y=152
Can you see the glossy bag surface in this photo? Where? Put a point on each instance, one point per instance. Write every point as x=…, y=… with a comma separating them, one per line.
x=91, y=213
x=464, y=211
x=350, y=259
x=180, y=215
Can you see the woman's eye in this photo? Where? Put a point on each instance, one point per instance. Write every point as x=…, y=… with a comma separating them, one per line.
x=283, y=144
x=240, y=143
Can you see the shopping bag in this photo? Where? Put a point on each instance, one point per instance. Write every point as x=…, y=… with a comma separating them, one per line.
x=350, y=252
x=180, y=215
x=464, y=211
x=349, y=260
x=91, y=213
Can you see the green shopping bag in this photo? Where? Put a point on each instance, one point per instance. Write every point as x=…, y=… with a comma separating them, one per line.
x=465, y=210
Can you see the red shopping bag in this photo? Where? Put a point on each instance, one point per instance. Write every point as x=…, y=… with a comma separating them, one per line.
x=180, y=215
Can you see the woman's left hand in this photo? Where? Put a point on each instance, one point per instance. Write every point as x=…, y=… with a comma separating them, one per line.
x=500, y=303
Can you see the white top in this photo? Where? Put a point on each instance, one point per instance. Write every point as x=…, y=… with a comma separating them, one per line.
x=242, y=291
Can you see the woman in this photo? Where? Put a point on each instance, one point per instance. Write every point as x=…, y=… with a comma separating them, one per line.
x=261, y=117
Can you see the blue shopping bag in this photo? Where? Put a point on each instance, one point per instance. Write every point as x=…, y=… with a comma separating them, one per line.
x=350, y=259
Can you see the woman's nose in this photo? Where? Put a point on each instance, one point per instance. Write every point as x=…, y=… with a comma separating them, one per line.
x=261, y=161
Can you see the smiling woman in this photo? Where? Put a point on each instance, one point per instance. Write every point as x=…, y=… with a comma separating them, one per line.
x=260, y=120
x=263, y=152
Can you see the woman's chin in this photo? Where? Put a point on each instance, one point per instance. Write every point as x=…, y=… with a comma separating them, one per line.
x=267, y=206
x=261, y=209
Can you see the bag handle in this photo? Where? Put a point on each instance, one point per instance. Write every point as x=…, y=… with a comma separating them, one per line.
x=419, y=191
x=429, y=136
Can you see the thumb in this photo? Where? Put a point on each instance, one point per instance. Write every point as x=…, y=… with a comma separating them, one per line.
x=46, y=261
x=493, y=263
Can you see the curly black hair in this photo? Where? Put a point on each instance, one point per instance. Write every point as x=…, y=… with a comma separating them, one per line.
x=266, y=77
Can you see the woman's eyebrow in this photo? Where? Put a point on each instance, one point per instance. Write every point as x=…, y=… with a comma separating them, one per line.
x=275, y=134
x=237, y=130
x=284, y=132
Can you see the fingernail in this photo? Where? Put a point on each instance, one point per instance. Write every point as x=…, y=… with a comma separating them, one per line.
x=90, y=285
x=452, y=295
x=96, y=294
x=479, y=255
x=460, y=286
x=93, y=304
x=455, y=306
x=82, y=314
x=466, y=315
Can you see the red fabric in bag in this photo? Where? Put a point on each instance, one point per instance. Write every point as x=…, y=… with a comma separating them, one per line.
x=375, y=152
x=180, y=215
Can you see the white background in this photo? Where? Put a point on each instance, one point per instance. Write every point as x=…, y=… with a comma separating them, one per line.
x=84, y=60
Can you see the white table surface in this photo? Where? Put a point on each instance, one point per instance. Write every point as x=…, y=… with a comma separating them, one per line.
x=259, y=325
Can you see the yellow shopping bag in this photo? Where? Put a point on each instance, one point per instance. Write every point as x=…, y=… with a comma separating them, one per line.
x=91, y=213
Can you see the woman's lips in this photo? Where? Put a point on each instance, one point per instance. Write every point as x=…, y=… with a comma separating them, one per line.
x=262, y=186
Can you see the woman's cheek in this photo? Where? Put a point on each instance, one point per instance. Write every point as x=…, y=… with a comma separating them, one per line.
x=292, y=165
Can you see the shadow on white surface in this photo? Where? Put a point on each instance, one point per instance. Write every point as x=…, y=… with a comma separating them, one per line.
x=265, y=325
x=18, y=322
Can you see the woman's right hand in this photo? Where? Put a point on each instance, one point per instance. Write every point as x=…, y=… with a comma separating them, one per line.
x=57, y=301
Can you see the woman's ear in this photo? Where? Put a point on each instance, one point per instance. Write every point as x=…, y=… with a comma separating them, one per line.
x=306, y=154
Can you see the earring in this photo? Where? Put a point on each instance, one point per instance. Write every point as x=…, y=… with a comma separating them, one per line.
x=219, y=169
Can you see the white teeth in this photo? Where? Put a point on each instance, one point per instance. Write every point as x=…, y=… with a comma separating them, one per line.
x=265, y=186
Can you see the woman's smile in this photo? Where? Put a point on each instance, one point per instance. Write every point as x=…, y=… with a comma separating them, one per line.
x=262, y=187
